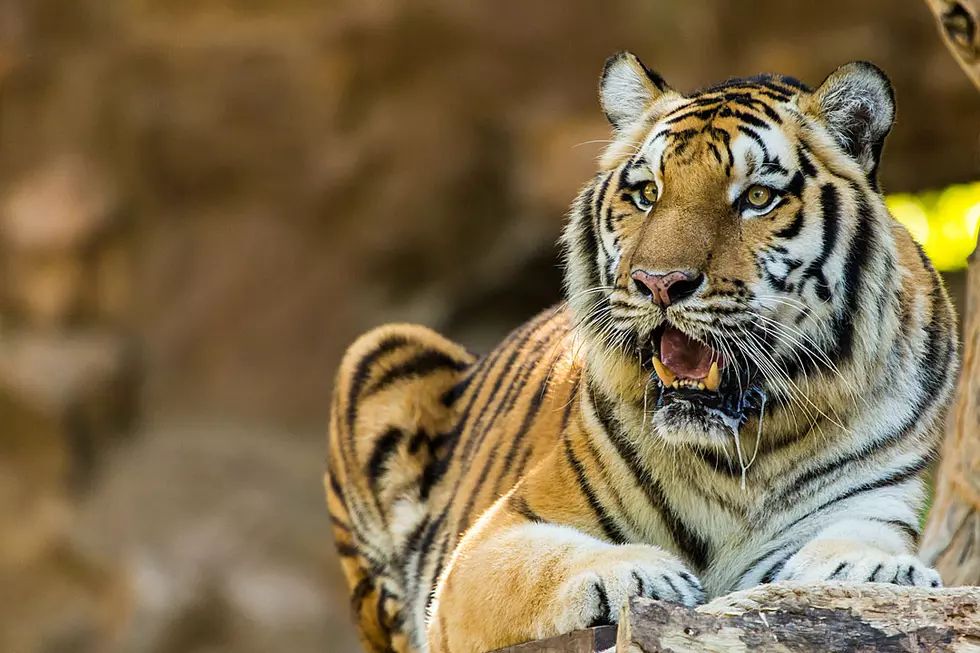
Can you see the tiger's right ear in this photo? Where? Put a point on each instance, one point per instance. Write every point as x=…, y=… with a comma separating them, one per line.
x=627, y=88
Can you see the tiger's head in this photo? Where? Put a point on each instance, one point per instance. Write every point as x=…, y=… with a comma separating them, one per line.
x=734, y=249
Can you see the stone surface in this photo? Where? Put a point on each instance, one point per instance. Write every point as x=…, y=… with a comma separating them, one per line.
x=221, y=532
x=61, y=208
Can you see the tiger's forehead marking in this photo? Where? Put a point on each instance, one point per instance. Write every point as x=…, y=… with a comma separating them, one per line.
x=738, y=130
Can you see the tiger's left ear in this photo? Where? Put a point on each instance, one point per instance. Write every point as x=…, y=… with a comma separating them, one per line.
x=857, y=105
x=627, y=88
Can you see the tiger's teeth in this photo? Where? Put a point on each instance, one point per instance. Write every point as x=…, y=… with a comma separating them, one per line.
x=713, y=380
x=665, y=375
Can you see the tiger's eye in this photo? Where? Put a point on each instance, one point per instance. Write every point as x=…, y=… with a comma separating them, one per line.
x=759, y=196
x=650, y=192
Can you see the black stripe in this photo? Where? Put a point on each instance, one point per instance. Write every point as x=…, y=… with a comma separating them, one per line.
x=796, y=184
x=745, y=117
x=335, y=487
x=417, y=440
x=696, y=548
x=361, y=374
x=718, y=462
x=434, y=471
x=770, y=575
x=346, y=550
x=940, y=352
x=909, y=530
x=895, y=478
x=830, y=219
x=603, y=615
x=518, y=503
x=534, y=406
x=415, y=535
x=863, y=243
x=792, y=230
x=473, y=443
x=609, y=527
x=454, y=393
x=417, y=366
x=360, y=592
x=380, y=614
x=751, y=133
x=424, y=547
x=805, y=162
x=437, y=569
x=587, y=239
x=383, y=450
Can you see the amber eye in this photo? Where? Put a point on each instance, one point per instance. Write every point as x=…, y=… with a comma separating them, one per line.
x=645, y=196
x=650, y=192
x=758, y=196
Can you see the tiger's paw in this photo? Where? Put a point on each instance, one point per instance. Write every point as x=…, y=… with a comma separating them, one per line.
x=594, y=594
x=866, y=565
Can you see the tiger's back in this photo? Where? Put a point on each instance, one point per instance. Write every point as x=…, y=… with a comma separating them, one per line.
x=424, y=437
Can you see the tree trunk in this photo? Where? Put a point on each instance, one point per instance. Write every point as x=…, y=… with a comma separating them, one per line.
x=951, y=541
x=959, y=25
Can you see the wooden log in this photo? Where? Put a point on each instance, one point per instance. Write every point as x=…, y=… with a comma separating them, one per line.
x=804, y=617
x=590, y=640
x=791, y=617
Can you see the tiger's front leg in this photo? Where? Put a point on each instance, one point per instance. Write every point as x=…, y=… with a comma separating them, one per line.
x=862, y=551
x=514, y=579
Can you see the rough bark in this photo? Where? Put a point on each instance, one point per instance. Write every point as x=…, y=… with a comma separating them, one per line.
x=959, y=24
x=590, y=640
x=790, y=617
x=952, y=535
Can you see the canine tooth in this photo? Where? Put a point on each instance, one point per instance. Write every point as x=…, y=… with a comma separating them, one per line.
x=666, y=376
x=713, y=380
x=675, y=385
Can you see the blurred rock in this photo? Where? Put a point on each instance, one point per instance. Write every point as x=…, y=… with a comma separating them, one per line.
x=83, y=384
x=53, y=595
x=61, y=208
x=45, y=291
x=222, y=531
x=51, y=228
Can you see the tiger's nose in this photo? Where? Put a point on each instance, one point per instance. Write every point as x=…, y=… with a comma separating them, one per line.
x=666, y=289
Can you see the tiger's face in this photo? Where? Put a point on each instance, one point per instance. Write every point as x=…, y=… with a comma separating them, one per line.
x=710, y=264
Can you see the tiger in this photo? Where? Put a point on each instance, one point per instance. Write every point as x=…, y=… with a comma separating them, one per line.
x=744, y=384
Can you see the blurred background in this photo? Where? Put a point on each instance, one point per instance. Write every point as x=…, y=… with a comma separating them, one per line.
x=202, y=202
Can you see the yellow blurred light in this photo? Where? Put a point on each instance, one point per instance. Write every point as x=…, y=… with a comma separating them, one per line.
x=944, y=222
x=910, y=212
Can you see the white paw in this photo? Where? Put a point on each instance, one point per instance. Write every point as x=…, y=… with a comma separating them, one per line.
x=863, y=566
x=594, y=596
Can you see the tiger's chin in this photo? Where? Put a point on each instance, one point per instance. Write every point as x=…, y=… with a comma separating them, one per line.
x=689, y=422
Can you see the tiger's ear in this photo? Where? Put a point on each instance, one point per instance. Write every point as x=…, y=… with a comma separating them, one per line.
x=857, y=105
x=627, y=88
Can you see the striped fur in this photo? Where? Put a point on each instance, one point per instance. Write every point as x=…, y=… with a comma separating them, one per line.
x=478, y=503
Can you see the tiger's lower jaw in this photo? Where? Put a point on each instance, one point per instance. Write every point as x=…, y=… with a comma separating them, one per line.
x=704, y=419
x=690, y=424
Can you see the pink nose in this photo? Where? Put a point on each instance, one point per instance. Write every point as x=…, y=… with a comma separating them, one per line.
x=666, y=289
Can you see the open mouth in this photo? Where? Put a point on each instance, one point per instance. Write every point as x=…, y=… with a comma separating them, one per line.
x=694, y=374
x=683, y=362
